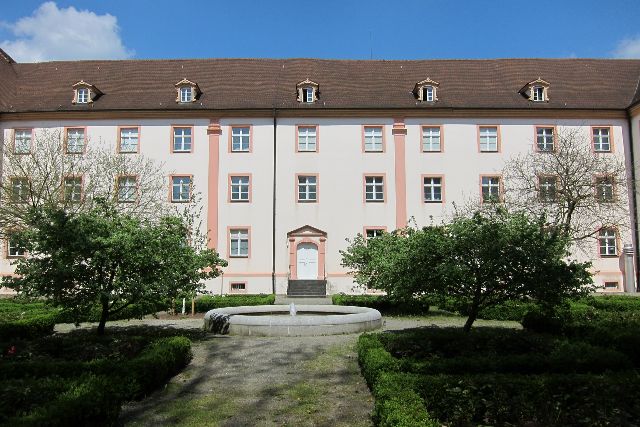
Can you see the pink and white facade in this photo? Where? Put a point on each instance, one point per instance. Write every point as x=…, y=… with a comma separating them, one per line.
x=284, y=187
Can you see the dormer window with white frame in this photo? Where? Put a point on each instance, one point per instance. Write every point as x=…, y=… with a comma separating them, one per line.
x=84, y=93
x=426, y=90
x=536, y=90
x=187, y=91
x=307, y=91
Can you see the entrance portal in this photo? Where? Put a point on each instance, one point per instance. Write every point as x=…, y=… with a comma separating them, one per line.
x=307, y=261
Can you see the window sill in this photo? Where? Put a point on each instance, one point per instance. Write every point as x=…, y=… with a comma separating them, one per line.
x=431, y=151
x=239, y=201
x=374, y=201
x=181, y=151
x=180, y=201
x=307, y=201
x=239, y=256
x=433, y=201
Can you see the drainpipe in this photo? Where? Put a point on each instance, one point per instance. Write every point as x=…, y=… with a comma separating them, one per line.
x=634, y=196
x=273, y=213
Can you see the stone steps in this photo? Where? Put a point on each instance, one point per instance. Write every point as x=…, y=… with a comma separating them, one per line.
x=307, y=288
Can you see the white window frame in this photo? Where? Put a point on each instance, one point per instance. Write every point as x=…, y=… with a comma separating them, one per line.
x=605, y=188
x=431, y=139
x=75, y=140
x=601, y=139
x=374, y=189
x=128, y=188
x=181, y=183
x=22, y=139
x=307, y=94
x=547, y=187
x=186, y=94
x=608, y=242
x=238, y=287
x=307, y=188
x=129, y=140
x=537, y=93
x=238, y=236
x=373, y=139
x=240, y=139
x=489, y=139
x=545, y=139
x=240, y=188
x=307, y=138
x=19, y=189
x=432, y=190
x=372, y=233
x=83, y=95
x=182, y=139
x=428, y=93
x=491, y=186
x=73, y=189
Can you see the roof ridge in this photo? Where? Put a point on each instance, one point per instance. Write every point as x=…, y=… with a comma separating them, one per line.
x=5, y=56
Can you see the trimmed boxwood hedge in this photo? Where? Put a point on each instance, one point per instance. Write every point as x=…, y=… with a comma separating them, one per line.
x=25, y=319
x=205, y=303
x=384, y=304
x=57, y=397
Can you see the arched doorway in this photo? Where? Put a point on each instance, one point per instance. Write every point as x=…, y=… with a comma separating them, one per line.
x=307, y=261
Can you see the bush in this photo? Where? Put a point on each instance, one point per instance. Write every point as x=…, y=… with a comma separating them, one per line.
x=209, y=302
x=550, y=400
x=385, y=304
x=373, y=358
x=397, y=404
x=509, y=310
x=25, y=319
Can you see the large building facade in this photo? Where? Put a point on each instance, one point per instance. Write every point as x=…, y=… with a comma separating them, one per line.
x=293, y=157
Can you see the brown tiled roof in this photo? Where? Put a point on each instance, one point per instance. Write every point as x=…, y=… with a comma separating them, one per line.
x=268, y=83
x=7, y=79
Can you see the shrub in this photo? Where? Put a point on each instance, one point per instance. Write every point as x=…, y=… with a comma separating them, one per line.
x=373, y=358
x=397, y=404
x=542, y=321
x=209, y=302
x=384, y=304
x=28, y=328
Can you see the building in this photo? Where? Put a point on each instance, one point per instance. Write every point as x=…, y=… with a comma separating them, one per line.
x=293, y=156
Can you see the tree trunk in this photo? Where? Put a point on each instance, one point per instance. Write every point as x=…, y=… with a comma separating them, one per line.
x=103, y=317
x=473, y=315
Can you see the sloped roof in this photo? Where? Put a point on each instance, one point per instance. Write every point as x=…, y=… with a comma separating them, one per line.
x=268, y=83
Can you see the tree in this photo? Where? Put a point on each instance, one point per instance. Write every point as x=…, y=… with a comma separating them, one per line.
x=481, y=261
x=42, y=173
x=108, y=258
x=578, y=189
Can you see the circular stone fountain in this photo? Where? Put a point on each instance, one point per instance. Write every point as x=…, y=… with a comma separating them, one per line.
x=290, y=320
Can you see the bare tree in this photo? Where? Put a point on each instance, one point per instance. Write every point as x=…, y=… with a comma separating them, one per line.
x=580, y=185
x=52, y=171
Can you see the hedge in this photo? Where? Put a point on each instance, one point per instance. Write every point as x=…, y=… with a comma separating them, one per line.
x=25, y=319
x=385, y=304
x=549, y=400
x=94, y=395
x=209, y=302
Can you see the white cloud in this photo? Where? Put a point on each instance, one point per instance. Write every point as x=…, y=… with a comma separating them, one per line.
x=65, y=34
x=628, y=48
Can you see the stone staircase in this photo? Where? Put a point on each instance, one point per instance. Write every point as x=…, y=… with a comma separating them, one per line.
x=307, y=288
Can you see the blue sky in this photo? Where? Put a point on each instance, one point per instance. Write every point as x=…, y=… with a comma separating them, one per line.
x=65, y=29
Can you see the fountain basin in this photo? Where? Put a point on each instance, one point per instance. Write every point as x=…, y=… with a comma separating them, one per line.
x=275, y=320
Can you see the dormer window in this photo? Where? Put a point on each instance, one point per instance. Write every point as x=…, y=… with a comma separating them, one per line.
x=307, y=91
x=426, y=90
x=84, y=93
x=83, y=96
x=536, y=91
x=187, y=91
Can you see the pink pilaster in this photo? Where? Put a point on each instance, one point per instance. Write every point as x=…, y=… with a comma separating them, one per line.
x=399, y=132
x=213, y=130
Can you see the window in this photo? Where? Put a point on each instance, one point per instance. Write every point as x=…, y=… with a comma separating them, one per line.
x=240, y=186
x=488, y=138
x=607, y=240
x=73, y=189
x=14, y=250
x=428, y=93
x=373, y=139
x=432, y=189
x=605, y=189
x=602, y=139
x=307, y=138
x=545, y=139
x=238, y=287
x=431, y=138
x=129, y=139
x=374, y=189
x=537, y=93
x=127, y=189
x=180, y=188
x=22, y=141
x=182, y=139
x=548, y=188
x=491, y=189
x=240, y=139
x=611, y=286
x=307, y=94
x=370, y=233
x=83, y=96
x=19, y=190
x=75, y=140
x=186, y=94
x=239, y=242
x=425, y=90
x=307, y=188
